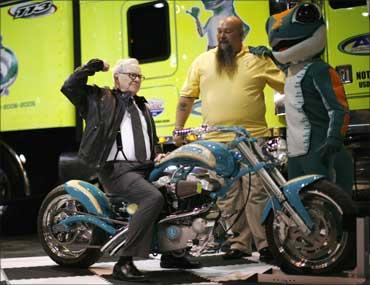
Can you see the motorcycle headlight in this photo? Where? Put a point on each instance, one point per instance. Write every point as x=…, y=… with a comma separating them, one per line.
x=275, y=149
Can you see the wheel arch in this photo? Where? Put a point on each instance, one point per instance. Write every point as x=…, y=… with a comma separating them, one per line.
x=13, y=166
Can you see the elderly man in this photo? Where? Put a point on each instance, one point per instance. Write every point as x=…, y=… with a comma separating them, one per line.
x=119, y=141
x=230, y=81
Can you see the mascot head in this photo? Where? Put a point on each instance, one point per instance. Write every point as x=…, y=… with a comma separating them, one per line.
x=297, y=34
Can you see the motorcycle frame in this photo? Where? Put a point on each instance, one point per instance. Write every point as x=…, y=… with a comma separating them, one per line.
x=283, y=194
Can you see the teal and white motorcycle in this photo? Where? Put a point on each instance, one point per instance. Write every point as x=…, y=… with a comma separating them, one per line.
x=309, y=221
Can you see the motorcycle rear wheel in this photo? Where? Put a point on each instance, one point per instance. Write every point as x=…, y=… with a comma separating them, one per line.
x=79, y=246
x=329, y=248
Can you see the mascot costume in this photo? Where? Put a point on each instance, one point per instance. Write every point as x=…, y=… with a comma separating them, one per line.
x=315, y=103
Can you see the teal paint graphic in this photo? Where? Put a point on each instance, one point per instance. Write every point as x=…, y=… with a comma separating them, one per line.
x=8, y=68
x=357, y=45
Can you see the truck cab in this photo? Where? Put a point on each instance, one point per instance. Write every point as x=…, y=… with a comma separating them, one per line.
x=42, y=42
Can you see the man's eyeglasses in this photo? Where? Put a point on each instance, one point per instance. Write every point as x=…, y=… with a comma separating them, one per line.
x=133, y=76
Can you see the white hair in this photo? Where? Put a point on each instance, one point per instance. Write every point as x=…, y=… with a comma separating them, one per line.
x=123, y=65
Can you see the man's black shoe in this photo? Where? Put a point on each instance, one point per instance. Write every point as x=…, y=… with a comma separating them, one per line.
x=169, y=261
x=225, y=247
x=266, y=255
x=127, y=272
x=235, y=254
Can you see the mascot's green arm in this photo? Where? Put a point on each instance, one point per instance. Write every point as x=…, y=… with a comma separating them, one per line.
x=327, y=83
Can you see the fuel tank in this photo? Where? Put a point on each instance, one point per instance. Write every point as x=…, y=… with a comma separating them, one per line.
x=208, y=154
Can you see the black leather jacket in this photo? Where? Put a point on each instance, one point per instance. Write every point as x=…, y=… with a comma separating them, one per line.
x=103, y=110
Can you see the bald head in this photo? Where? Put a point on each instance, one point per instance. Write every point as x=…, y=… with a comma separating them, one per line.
x=234, y=23
x=230, y=32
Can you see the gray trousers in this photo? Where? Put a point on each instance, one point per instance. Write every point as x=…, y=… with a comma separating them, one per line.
x=127, y=180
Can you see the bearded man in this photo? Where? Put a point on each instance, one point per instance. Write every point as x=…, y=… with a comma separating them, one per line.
x=229, y=80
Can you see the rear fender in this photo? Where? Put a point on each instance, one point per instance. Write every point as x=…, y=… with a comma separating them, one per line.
x=93, y=199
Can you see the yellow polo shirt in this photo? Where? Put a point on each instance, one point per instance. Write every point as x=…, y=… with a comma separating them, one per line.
x=233, y=101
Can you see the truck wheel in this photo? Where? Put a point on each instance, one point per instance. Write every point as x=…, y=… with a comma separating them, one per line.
x=14, y=188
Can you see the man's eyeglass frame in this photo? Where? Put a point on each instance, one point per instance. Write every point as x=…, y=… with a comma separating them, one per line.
x=133, y=76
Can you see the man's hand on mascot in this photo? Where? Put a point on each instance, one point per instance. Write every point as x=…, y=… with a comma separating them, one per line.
x=331, y=146
x=260, y=51
x=265, y=51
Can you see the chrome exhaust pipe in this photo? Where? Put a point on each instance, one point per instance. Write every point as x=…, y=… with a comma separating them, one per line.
x=116, y=238
x=118, y=247
x=185, y=215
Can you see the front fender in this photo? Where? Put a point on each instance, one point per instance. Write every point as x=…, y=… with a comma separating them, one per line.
x=272, y=204
x=291, y=192
x=93, y=199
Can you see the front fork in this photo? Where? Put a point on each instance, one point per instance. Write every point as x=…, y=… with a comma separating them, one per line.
x=285, y=198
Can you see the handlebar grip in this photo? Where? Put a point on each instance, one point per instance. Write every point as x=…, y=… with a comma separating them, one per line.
x=182, y=132
x=186, y=131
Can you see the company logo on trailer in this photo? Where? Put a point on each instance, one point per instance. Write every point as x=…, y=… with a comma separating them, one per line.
x=32, y=9
x=156, y=106
x=358, y=45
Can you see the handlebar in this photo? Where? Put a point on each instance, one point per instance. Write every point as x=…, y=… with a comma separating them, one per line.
x=239, y=131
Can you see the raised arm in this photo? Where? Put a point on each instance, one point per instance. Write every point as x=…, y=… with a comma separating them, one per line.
x=75, y=88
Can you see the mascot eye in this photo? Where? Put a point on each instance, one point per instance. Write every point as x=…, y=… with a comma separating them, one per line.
x=306, y=13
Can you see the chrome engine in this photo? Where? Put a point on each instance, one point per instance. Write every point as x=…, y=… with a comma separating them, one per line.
x=191, y=230
x=199, y=181
x=191, y=213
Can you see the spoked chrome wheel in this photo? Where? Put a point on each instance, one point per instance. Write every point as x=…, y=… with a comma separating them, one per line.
x=70, y=244
x=328, y=245
x=77, y=246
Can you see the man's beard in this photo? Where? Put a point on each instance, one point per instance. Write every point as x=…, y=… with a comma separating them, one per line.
x=226, y=61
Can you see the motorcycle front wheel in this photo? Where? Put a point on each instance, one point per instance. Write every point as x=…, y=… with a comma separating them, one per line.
x=77, y=247
x=330, y=246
